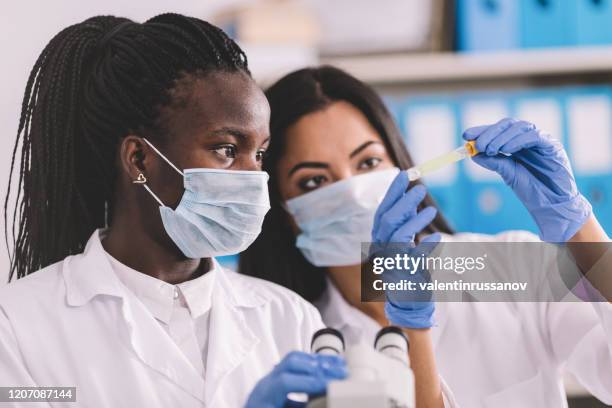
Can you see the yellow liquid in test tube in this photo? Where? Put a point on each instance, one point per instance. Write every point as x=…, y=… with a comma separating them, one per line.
x=465, y=151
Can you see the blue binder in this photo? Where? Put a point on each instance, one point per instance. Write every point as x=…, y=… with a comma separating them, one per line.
x=595, y=185
x=447, y=192
x=495, y=208
x=487, y=205
x=594, y=21
x=546, y=23
x=544, y=108
x=487, y=25
x=492, y=206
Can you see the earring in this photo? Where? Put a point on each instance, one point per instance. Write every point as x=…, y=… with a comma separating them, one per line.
x=141, y=179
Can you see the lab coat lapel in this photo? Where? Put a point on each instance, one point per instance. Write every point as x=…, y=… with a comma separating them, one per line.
x=90, y=275
x=339, y=314
x=443, y=309
x=230, y=339
x=157, y=350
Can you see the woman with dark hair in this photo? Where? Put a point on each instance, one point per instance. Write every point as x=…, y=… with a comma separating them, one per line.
x=297, y=95
x=274, y=255
x=335, y=155
x=141, y=148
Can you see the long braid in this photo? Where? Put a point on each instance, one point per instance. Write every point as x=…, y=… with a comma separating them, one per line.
x=94, y=83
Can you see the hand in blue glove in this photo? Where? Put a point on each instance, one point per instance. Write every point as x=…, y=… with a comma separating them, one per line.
x=537, y=168
x=397, y=221
x=297, y=372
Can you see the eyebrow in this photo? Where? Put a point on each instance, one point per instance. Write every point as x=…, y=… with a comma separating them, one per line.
x=227, y=130
x=231, y=131
x=311, y=165
x=321, y=165
x=361, y=148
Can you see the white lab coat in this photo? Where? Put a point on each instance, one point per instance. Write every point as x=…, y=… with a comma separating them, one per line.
x=74, y=324
x=505, y=355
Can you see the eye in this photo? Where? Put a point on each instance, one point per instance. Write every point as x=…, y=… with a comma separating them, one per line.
x=369, y=163
x=312, y=183
x=260, y=155
x=227, y=151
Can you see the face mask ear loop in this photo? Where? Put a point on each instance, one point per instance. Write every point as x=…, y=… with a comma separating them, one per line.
x=153, y=194
x=163, y=157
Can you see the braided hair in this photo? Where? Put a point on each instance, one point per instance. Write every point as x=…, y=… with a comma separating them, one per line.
x=94, y=83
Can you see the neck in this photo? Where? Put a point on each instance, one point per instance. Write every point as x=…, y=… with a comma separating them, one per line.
x=127, y=242
x=347, y=280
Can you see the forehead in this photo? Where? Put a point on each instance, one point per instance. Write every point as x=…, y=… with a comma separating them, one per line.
x=329, y=134
x=214, y=100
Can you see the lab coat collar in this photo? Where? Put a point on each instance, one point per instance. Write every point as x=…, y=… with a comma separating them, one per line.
x=157, y=295
x=90, y=274
x=197, y=293
x=239, y=292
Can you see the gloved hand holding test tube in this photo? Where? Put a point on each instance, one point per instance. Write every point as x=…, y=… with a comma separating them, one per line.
x=533, y=164
x=463, y=152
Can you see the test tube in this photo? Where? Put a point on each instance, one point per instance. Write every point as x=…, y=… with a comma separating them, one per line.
x=465, y=151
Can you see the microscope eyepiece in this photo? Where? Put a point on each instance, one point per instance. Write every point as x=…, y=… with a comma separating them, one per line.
x=392, y=341
x=327, y=341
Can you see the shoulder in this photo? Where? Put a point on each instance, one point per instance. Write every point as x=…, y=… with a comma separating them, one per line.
x=34, y=292
x=276, y=310
x=260, y=291
x=505, y=236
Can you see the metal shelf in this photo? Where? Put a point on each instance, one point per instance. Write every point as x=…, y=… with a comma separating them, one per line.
x=457, y=67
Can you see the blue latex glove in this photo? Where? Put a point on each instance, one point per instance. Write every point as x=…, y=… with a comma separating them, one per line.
x=397, y=221
x=538, y=171
x=297, y=372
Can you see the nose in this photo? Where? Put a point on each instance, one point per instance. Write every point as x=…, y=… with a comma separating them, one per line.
x=248, y=162
x=341, y=172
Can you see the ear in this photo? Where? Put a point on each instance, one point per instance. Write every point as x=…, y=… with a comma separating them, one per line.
x=133, y=154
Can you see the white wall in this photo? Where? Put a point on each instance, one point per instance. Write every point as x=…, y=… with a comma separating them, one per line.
x=25, y=28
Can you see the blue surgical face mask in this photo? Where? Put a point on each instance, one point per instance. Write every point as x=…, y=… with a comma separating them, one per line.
x=220, y=213
x=335, y=220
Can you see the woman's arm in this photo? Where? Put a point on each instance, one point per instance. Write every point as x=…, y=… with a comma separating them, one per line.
x=423, y=364
x=592, y=252
x=397, y=222
x=538, y=170
x=429, y=389
x=591, y=231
